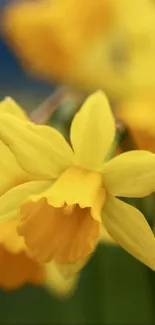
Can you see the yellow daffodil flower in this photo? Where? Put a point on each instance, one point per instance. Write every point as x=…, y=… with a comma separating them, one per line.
x=76, y=189
x=138, y=114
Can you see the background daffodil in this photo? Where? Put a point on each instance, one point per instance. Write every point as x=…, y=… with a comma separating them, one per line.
x=138, y=114
x=89, y=44
x=55, y=22
x=76, y=188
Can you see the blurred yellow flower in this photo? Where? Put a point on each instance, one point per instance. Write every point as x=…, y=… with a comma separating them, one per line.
x=75, y=190
x=91, y=44
x=63, y=29
x=138, y=114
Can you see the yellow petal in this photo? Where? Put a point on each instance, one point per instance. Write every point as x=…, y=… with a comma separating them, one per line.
x=10, y=172
x=40, y=150
x=9, y=237
x=79, y=186
x=92, y=131
x=57, y=234
x=10, y=202
x=129, y=228
x=130, y=174
x=8, y=105
x=57, y=284
x=106, y=238
x=65, y=30
x=16, y=270
x=70, y=270
x=16, y=267
x=68, y=213
x=138, y=114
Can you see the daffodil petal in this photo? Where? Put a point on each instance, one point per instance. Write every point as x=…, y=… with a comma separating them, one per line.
x=40, y=150
x=8, y=105
x=130, y=174
x=12, y=215
x=106, y=238
x=92, y=131
x=63, y=215
x=54, y=234
x=9, y=238
x=18, y=269
x=10, y=172
x=10, y=202
x=57, y=284
x=129, y=228
x=70, y=270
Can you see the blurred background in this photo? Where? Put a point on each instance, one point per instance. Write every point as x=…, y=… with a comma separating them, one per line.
x=52, y=55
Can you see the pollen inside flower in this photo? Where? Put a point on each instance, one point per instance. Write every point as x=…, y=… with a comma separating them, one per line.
x=64, y=223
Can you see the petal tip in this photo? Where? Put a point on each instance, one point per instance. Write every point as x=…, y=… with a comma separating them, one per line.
x=99, y=94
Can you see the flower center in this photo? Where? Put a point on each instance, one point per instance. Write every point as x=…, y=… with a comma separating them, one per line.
x=64, y=223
